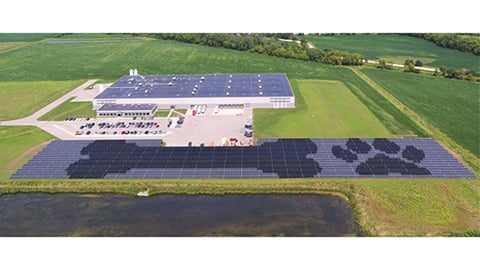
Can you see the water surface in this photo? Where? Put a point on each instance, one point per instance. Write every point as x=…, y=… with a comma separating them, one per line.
x=39, y=214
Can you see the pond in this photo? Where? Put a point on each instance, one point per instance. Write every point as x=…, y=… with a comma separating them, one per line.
x=39, y=214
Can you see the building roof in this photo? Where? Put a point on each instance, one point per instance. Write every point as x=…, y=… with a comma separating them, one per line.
x=127, y=107
x=197, y=85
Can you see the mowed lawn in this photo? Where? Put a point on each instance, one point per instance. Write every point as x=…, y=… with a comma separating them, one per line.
x=398, y=48
x=21, y=99
x=452, y=106
x=17, y=145
x=69, y=109
x=325, y=109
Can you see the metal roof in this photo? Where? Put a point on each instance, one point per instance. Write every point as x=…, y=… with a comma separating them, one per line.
x=198, y=85
x=127, y=107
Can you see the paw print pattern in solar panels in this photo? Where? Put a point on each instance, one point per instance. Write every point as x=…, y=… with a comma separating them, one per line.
x=381, y=157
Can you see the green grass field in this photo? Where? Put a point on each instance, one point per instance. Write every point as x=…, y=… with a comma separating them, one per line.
x=452, y=106
x=109, y=61
x=23, y=37
x=381, y=206
x=69, y=109
x=324, y=109
x=6, y=46
x=409, y=207
x=21, y=99
x=162, y=113
x=17, y=145
x=102, y=36
x=398, y=48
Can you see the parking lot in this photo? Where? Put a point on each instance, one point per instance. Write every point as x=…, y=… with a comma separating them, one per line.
x=209, y=128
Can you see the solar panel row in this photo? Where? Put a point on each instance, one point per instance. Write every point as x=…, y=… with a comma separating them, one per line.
x=283, y=158
x=206, y=85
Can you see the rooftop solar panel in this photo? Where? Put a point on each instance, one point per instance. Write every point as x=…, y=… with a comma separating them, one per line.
x=127, y=107
x=206, y=85
x=273, y=158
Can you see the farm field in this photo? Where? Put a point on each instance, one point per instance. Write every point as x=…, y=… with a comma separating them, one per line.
x=109, y=61
x=381, y=206
x=23, y=37
x=324, y=109
x=69, y=109
x=21, y=99
x=5, y=46
x=18, y=145
x=102, y=36
x=452, y=106
x=398, y=48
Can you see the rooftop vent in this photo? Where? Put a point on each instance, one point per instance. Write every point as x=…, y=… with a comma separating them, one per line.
x=260, y=93
x=228, y=94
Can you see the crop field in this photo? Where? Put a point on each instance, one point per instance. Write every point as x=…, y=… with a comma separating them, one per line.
x=381, y=206
x=109, y=61
x=452, y=106
x=21, y=99
x=5, y=46
x=69, y=109
x=324, y=109
x=398, y=48
x=18, y=145
x=23, y=37
x=102, y=36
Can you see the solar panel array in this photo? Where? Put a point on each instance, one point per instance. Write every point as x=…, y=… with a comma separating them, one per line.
x=206, y=85
x=273, y=158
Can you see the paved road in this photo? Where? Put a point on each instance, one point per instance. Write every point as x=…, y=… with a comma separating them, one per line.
x=32, y=119
x=48, y=126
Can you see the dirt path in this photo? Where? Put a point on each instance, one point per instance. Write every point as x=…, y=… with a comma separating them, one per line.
x=11, y=166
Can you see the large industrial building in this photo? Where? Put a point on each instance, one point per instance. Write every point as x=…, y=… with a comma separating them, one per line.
x=183, y=91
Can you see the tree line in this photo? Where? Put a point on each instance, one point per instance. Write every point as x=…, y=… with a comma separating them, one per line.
x=267, y=44
x=450, y=73
x=463, y=42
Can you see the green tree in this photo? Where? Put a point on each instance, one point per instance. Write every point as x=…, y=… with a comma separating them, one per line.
x=409, y=68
